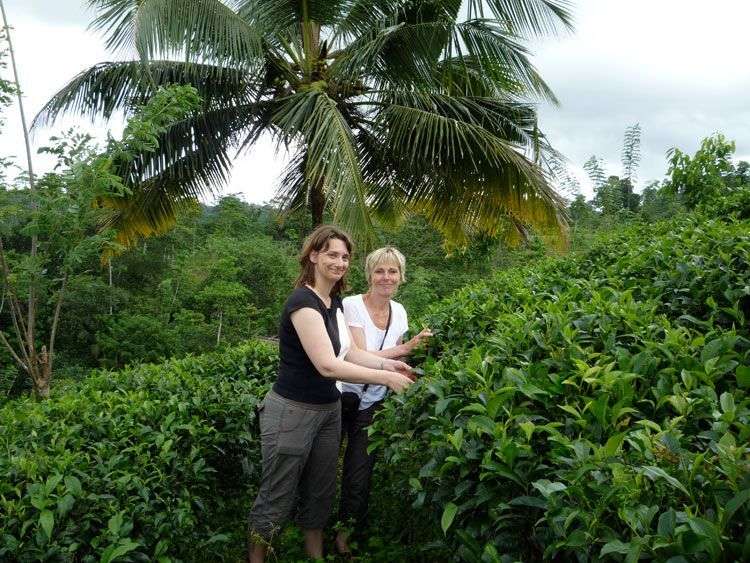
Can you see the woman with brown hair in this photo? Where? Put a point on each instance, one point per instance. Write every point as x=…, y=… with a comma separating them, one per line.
x=300, y=418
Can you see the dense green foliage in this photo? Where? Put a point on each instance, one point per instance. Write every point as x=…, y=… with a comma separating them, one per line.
x=219, y=277
x=586, y=408
x=590, y=408
x=149, y=463
x=51, y=227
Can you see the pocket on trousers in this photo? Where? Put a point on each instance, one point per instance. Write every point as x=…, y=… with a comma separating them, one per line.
x=291, y=418
x=293, y=430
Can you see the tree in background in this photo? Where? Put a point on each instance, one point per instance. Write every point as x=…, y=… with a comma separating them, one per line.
x=740, y=176
x=61, y=215
x=631, y=158
x=389, y=106
x=615, y=194
x=706, y=175
x=658, y=203
x=608, y=194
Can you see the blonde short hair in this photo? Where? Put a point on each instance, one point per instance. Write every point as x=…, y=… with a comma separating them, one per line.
x=382, y=255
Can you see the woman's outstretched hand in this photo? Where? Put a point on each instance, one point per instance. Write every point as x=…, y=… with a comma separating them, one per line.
x=397, y=382
x=397, y=366
x=403, y=370
x=416, y=340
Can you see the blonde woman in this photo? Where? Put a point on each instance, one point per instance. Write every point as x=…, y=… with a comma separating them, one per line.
x=300, y=418
x=377, y=324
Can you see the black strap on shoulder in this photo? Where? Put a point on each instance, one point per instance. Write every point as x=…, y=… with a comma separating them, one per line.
x=382, y=342
x=387, y=326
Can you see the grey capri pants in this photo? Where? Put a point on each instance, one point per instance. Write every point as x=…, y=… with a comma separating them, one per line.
x=299, y=447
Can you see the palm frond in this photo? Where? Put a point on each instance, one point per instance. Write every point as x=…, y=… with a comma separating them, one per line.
x=192, y=158
x=441, y=130
x=292, y=192
x=332, y=160
x=461, y=163
x=500, y=56
x=362, y=17
x=144, y=214
x=275, y=15
x=442, y=53
x=108, y=87
x=199, y=30
x=528, y=18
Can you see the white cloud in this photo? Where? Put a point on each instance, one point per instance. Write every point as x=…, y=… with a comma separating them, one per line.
x=676, y=67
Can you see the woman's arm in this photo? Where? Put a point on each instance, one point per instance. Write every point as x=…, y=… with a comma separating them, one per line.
x=317, y=345
x=358, y=337
x=399, y=351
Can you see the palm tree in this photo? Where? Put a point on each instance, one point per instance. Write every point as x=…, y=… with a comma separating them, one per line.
x=389, y=106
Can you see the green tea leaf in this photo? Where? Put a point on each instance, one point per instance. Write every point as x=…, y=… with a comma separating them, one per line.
x=570, y=410
x=528, y=429
x=615, y=546
x=47, y=522
x=667, y=523
x=727, y=402
x=449, y=513
x=118, y=550
x=65, y=504
x=52, y=482
x=547, y=487
x=734, y=504
x=613, y=444
x=742, y=373
x=115, y=524
x=655, y=473
x=457, y=438
x=73, y=485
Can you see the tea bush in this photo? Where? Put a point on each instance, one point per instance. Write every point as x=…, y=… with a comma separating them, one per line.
x=146, y=464
x=585, y=409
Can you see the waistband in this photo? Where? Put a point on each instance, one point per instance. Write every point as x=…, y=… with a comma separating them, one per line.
x=273, y=395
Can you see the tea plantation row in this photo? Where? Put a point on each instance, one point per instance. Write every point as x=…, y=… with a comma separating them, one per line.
x=585, y=409
x=151, y=463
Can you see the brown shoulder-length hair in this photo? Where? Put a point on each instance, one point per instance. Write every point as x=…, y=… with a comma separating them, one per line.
x=319, y=241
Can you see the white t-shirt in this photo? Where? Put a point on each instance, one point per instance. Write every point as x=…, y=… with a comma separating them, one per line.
x=357, y=316
x=344, y=341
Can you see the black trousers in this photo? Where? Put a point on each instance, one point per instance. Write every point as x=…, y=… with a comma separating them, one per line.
x=358, y=466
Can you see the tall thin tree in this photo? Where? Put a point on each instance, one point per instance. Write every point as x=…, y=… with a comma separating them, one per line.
x=631, y=158
x=31, y=305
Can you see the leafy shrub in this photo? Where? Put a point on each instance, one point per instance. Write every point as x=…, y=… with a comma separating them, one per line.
x=584, y=409
x=129, y=464
x=735, y=203
x=130, y=338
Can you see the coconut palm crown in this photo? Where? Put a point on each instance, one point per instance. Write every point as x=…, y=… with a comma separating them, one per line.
x=388, y=106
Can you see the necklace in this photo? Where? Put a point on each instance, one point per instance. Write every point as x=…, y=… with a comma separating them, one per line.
x=379, y=317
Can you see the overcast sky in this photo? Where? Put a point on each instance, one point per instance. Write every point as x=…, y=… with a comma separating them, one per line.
x=677, y=67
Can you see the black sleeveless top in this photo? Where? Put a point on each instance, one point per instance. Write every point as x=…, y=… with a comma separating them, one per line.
x=298, y=380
